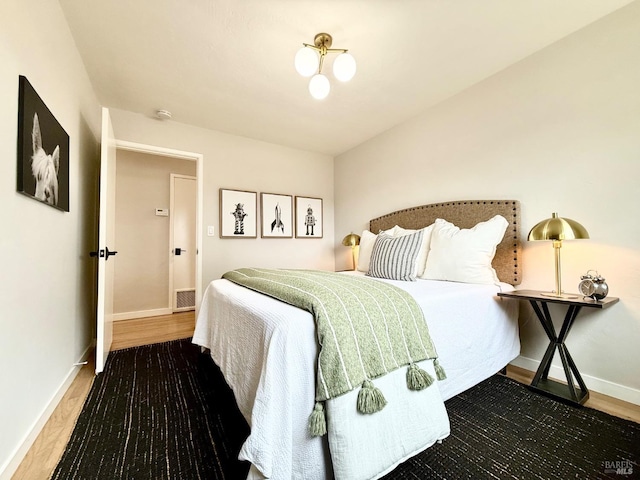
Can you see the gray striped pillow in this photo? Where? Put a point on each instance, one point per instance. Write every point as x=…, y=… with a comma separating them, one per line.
x=394, y=258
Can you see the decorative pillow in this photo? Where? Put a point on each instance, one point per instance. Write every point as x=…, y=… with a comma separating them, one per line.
x=367, y=239
x=394, y=258
x=464, y=255
x=421, y=260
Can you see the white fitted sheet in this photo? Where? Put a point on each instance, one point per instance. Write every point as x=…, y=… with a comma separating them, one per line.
x=267, y=352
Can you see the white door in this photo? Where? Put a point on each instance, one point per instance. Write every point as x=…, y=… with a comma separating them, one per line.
x=106, y=242
x=183, y=242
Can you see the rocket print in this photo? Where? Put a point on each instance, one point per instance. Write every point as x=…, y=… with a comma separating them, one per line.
x=277, y=223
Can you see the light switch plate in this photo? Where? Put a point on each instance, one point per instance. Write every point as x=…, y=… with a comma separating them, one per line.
x=210, y=231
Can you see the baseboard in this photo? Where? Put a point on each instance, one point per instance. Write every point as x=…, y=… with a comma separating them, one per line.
x=599, y=385
x=12, y=464
x=141, y=314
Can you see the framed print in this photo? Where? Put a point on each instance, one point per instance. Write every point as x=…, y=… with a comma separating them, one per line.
x=276, y=214
x=238, y=214
x=308, y=217
x=43, y=151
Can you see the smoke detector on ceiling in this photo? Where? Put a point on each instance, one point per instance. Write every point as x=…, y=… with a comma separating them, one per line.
x=163, y=114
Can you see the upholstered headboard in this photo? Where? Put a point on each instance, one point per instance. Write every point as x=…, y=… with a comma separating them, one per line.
x=465, y=214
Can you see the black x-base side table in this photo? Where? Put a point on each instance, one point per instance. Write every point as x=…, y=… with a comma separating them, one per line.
x=569, y=392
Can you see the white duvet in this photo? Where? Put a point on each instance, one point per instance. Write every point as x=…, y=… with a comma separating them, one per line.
x=267, y=352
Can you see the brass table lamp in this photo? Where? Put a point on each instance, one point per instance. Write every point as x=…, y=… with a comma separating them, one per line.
x=352, y=240
x=558, y=229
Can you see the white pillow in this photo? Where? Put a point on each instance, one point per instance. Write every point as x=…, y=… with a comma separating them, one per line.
x=367, y=239
x=421, y=261
x=464, y=255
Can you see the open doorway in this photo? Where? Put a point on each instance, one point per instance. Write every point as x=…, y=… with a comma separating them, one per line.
x=107, y=246
x=144, y=274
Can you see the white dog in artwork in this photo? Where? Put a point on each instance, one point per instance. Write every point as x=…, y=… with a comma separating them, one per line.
x=44, y=167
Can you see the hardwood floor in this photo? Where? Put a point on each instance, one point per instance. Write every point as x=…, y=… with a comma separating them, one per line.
x=145, y=331
x=43, y=456
x=596, y=400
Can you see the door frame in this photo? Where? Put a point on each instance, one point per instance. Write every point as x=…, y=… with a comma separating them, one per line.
x=180, y=154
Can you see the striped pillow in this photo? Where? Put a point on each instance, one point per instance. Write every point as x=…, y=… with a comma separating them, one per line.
x=394, y=258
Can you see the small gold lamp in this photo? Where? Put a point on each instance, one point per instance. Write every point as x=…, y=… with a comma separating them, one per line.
x=558, y=229
x=352, y=240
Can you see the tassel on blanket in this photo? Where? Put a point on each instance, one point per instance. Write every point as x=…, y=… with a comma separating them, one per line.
x=417, y=379
x=370, y=398
x=439, y=370
x=317, y=421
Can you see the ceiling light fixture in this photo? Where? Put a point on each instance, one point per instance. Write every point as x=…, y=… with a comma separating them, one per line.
x=163, y=114
x=309, y=61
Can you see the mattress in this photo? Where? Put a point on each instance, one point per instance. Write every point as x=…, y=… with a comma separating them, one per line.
x=267, y=352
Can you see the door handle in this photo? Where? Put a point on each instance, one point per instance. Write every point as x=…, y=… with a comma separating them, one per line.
x=179, y=251
x=106, y=253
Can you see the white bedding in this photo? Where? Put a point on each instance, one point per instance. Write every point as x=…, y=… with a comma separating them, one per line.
x=267, y=352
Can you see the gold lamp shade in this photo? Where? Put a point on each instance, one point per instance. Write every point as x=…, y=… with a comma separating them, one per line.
x=352, y=240
x=558, y=229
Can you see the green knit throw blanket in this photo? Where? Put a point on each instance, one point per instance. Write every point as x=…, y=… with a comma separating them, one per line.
x=365, y=328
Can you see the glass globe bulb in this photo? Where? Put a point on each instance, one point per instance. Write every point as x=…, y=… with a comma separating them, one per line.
x=344, y=67
x=306, y=62
x=319, y=86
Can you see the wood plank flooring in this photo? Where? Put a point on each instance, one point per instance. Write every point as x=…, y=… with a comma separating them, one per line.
x=145, y=331
x=597, y=401
x=43, y=456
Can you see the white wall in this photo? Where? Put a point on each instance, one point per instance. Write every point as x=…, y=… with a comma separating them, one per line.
x=141, y=270
x=560, y=131
x=241, y=163
x=47, y=279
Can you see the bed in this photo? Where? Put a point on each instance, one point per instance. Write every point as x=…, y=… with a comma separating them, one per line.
x=267, y=351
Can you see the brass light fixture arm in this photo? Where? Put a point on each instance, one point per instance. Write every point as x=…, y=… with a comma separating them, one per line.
x=322, y=44
x=326, y=50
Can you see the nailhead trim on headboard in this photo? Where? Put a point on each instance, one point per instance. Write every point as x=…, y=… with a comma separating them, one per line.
x=466, y=214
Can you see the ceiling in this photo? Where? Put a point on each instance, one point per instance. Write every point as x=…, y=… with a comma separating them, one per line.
x=227, y=65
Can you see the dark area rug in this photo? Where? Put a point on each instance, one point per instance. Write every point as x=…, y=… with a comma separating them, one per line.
x=501, y=429
x=160, y=411
x=163, y=411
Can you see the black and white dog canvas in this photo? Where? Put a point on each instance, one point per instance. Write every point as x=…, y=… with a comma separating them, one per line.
x=43, y=151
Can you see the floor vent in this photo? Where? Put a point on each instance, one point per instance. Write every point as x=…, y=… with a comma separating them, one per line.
x=184, y=299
